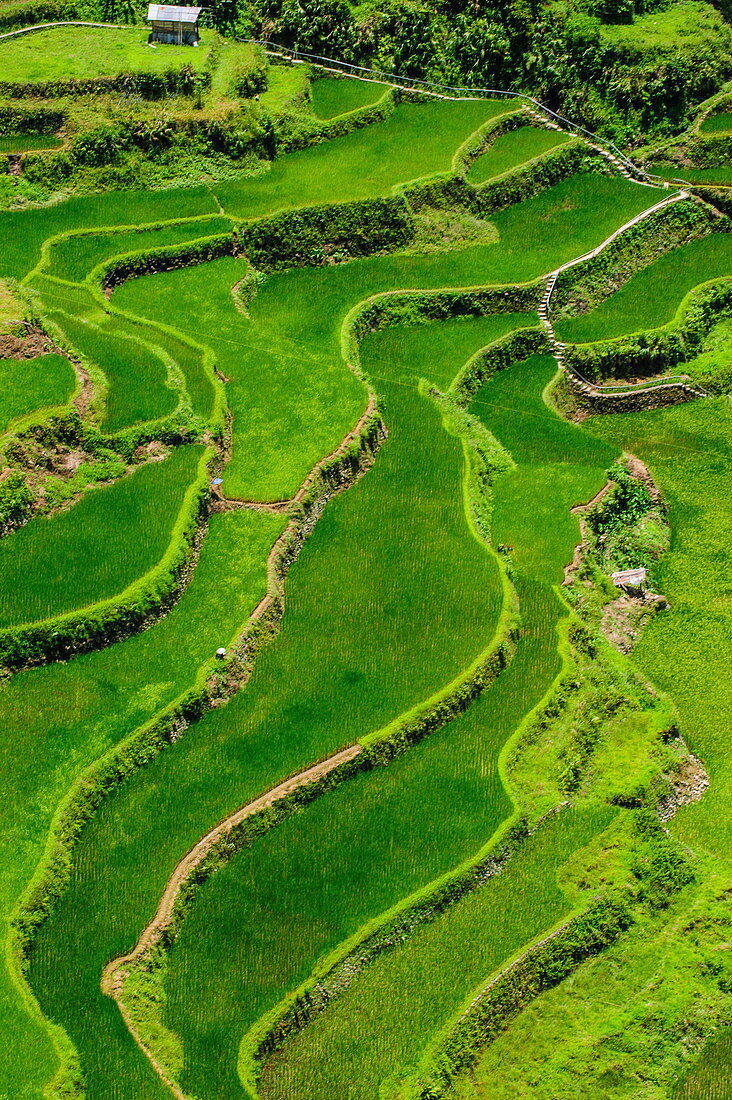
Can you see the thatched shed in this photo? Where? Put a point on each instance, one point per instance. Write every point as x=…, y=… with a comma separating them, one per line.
x=174, y=25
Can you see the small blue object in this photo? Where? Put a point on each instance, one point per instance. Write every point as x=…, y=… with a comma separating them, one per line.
x=217, y=481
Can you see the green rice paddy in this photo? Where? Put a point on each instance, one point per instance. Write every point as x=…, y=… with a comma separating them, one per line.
x=514, y=149
x=394, y=814
x=285, y=414
x=371, y=1034
x=652, y=296
x=392, y=597
x=99, y=546
x=27, y=385
x=717, y=124
x=352, y=586
x=332, y=97
x=136, y=377
x=74, y=257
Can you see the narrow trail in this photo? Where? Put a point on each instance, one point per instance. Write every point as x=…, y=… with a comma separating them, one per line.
x=683, y=383
x=113, y=975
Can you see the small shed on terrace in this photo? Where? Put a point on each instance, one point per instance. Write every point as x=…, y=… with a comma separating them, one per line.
x=174, y=25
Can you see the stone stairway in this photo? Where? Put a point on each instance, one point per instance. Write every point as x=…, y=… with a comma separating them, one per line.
x=663, y=393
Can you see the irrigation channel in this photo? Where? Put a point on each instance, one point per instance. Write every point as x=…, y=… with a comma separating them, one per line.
x=396, y=581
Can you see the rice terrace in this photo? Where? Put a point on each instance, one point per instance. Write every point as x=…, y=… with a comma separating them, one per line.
x=365, y=545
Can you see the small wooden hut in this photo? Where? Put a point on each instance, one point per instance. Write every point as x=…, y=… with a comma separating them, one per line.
x=174, y=25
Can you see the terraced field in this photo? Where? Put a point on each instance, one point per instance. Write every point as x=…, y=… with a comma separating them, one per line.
x=334, y=762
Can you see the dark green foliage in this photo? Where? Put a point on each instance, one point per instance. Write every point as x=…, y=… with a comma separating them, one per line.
x=324, y=27
x=15, y=501
x=660, y=867
x=328, y=234
x=14, y=15
x=623, y=507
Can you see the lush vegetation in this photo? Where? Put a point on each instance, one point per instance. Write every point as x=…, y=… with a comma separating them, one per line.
x=651, y=297
x=306, y=308
x=352, y=588
x=61, y=718
x=268, y=331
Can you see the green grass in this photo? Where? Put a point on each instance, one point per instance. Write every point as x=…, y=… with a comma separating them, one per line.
x=651, y=298
x=118, y=343
x=514, y=149
x=28, y=143
x=98, y=547
x=74, y=257
x=287, y=84
x=717, y=124
x=332, y=97
x=721, y=174
x=378, y=1028
x=383, y=644
x=285, y=416
x=60, y=718
x=679, y=28
x=379, y=830
x=30, y=384
x=85, y=53
x=686, y=650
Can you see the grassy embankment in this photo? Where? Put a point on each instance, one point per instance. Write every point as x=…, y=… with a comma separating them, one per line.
x=85, y=53
x=514, y=149
x=30, y=384
x=93, y=551
x=671, y=976
x=60, y=718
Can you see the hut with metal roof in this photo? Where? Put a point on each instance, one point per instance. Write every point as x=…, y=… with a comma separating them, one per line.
x=174, y=25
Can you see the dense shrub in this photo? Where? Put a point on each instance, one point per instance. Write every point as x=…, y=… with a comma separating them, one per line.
x=15, y=502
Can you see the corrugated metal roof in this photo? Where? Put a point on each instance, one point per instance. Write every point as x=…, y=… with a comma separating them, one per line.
x=172, y=14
